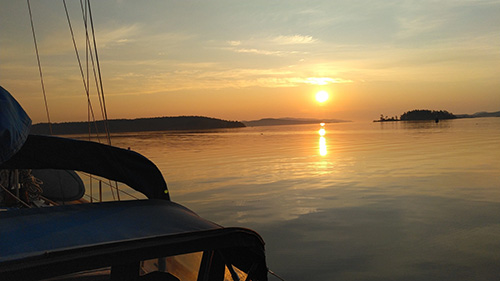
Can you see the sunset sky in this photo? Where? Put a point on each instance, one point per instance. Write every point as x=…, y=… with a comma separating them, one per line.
x=245, y=60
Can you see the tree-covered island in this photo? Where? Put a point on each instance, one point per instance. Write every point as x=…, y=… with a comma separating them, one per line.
x=419, y=114
x=138, y=125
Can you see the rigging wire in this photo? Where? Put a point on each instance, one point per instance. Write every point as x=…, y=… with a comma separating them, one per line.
x=91, y=48
x=103, y=103
x=87, y=17
x=86, y=14
x=88, y=52
x=39, y=68
x=85, y=85
x=98, y=81
x=275, y=275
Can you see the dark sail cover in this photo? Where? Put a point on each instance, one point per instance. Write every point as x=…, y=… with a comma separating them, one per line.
x=14, y=125
x=129, y=167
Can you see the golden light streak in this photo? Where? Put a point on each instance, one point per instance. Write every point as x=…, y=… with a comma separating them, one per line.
x=322, y=146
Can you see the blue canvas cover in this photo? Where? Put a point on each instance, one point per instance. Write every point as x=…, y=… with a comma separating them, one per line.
x=14, y=125
x=36, y=232
x=41, y=243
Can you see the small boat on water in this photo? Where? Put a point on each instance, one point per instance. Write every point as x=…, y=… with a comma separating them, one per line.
x=149, y=239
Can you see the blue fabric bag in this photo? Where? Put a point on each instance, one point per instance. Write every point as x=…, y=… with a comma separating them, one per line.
x=14, y=126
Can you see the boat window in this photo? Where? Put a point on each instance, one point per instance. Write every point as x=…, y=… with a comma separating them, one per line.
x=232, y=273
x=183, y=267
x=99, y=189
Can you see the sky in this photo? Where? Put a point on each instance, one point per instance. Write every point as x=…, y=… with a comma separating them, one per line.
x=246, y=60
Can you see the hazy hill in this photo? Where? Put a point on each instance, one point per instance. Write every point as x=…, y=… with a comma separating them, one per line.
x=287, y=121
x=138, y=125
x=480, y=114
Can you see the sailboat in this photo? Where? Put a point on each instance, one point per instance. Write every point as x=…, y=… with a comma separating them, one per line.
x=121, y=240
x=144, y=239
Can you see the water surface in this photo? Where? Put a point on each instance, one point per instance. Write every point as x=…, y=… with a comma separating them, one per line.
x=370, y=201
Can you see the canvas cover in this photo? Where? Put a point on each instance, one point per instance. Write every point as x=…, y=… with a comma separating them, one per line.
x=60, y=185
x=45, y=242
x=129, y=167
x=33, y=232
x=14, y=125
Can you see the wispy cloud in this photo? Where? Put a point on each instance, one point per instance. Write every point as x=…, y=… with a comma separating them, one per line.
x=265, y=52
x=277, y=46
x=293, y=39
x=121, y=35
x=325, y=80
x=234, y=43
x=213, y=78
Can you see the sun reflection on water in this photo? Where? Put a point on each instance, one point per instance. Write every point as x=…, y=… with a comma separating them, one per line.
x=322, y=146
x=322, y=140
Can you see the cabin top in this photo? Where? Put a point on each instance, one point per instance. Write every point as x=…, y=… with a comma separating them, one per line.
x=52, y=241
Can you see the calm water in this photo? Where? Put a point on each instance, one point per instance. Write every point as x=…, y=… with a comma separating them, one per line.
x=371, y=201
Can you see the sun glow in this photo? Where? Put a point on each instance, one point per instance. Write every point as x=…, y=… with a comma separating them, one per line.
x=321, y=96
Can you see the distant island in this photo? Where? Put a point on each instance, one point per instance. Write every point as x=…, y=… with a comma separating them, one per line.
x=288, y=121
x=479, y=114
x=425, y=114
x=137, y=125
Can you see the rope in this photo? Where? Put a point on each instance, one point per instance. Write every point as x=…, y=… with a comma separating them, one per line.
x=14, y=196
x=31, y=185
x=39, y=68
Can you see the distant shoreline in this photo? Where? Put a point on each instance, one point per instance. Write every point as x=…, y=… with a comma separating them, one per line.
x=185, y=123
x=462, y=116
x=177, y=123
x=432, y=115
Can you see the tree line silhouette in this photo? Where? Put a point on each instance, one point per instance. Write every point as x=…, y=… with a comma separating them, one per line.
x=138, y=125
x=419, y=114
x=424, y=114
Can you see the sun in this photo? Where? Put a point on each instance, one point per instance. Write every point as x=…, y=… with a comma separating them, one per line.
x=321, y=96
